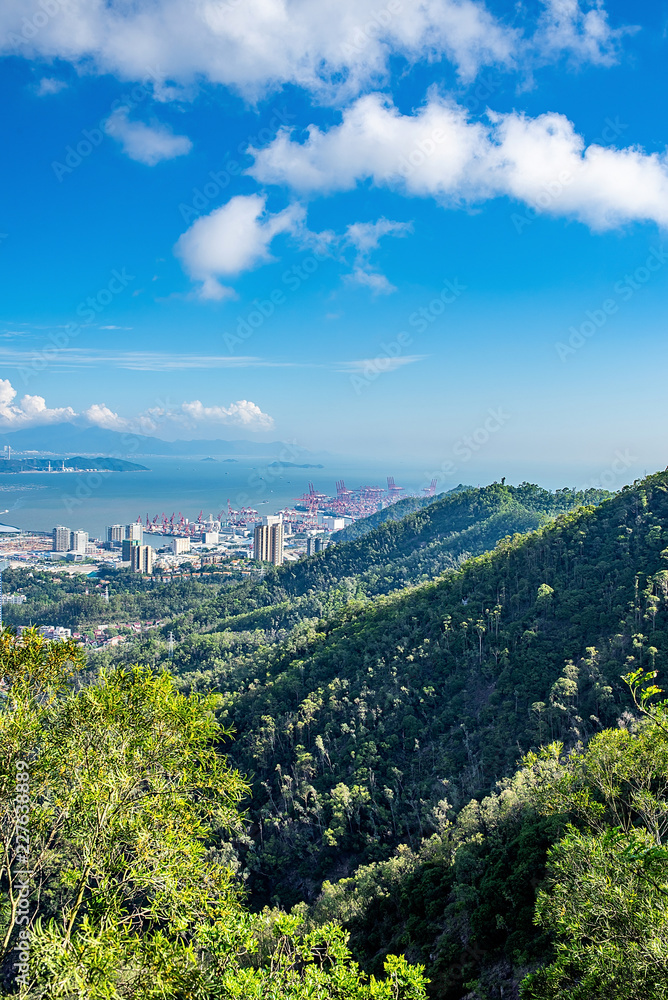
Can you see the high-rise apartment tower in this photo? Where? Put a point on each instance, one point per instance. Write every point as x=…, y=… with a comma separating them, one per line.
x=268, y=540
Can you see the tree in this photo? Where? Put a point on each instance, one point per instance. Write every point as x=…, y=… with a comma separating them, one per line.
x=606, y=900
x=607, y=904
x=121, y=892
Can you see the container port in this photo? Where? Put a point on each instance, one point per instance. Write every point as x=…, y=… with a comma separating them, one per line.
x=302, y=516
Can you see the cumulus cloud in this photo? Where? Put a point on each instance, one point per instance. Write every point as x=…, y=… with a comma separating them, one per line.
x=243, y=413
x=374, y=141
x=147, y=144
x=438, y=152
x=101, y=415
x=232, y=239
x=329, y=47
x=30, y=411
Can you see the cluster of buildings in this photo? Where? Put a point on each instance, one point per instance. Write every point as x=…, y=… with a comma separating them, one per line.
x=66, y=541
x=49, y=631
x=13, y=599
x=271, y=539
x=129, y=538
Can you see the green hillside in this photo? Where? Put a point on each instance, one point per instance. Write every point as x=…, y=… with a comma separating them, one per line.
x=356, y=728
x=417, y=548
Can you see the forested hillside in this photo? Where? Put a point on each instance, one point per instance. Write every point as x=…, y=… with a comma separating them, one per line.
x=527, y=495
x=356, y=729
x=395, y=554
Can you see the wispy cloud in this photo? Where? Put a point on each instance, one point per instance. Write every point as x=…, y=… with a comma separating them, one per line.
x=379, y=364
x=148, y=361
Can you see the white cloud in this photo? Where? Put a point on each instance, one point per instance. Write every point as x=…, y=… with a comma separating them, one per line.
x=237, y=237
x=29, y=411
x=375, y=141
x=32, y=411
x=49, y=85
x=232, y=239
x=332, y=46
x=377, y=282
x=585, y=35
x=100, y=415
x=365, y=237
x=243, y=413
x=149, y=144
x=438, y=152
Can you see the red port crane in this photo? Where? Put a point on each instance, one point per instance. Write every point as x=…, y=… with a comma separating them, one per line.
x=393, y=489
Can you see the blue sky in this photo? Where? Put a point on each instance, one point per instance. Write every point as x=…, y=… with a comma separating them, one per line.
x=364, y=227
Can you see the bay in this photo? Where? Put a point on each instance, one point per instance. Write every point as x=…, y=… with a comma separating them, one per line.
x=92, y=501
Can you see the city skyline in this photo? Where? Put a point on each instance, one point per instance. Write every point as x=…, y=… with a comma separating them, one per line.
x=395, y=230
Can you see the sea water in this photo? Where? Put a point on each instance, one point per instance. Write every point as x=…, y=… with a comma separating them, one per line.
x=183, y=486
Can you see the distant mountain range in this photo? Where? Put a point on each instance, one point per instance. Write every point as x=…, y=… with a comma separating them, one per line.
x=72, y=439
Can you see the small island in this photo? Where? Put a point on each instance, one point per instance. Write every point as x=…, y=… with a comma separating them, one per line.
x=76, y=464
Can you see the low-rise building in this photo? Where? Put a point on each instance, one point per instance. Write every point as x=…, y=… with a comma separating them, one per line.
x=14, y=598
